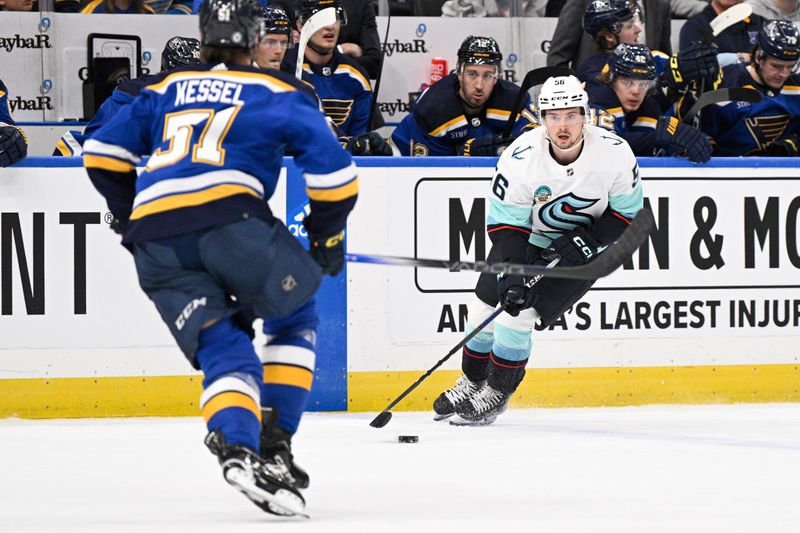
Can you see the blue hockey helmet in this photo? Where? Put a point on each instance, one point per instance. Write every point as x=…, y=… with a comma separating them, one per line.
x=179, y=52
x=780, y=39
x=479, y=51
x=307, y=8
x=276, y=21
x=608, y=14
x=632, y=61
x=231, y=23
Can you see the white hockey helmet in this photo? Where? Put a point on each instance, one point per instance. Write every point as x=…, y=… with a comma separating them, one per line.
x=562, y=92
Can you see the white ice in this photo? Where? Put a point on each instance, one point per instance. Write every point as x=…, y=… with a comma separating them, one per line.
x=724, y=468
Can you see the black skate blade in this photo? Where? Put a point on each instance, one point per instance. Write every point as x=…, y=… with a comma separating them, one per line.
x=439, y=418
x=463, y=422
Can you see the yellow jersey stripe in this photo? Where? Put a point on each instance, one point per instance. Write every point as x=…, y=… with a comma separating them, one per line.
x=288, y=375
x=62, y=148
x=177, y=201
x=447, y=125
x=355, y=74
x=334, y=195
x=225, y=75
x=647, y=122
x=106, y=163
x=91, y=5
x=226, y=400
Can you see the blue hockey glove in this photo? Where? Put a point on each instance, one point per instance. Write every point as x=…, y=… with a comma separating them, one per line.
x=788, y=146
x=574, y=248
x=13, y=146
x=696, y=62
x=327, y=251
x=370, y=143
x=672, y=133
x=488, y=146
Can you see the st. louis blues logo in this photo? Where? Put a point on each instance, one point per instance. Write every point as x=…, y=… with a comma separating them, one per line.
x=563, y=214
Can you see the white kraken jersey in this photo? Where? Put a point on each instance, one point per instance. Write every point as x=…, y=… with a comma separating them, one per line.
x=532, y=190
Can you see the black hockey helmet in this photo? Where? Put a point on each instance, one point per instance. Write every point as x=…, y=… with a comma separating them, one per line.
x=231, y=23
x=632, y=61
x=608, y=14
x=306, y=8
x=276, y=21
x=479, y=51
x=179, y=52
x=779, y=39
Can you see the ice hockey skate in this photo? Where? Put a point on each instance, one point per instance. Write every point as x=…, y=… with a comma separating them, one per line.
x=276, y=448
x=482, y=408
x=445, y=405
x=261, y=481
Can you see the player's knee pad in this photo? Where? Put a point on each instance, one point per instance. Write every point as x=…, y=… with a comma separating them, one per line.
x=291, y=342
x=224, y=349
x=477, y=312
x=512, y=336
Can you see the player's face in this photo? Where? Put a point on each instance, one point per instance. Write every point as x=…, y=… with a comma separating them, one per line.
x=270, y=52
x=19, y=5
x=722, y=5
x=325, y=38
x=630, y=30
x=774, y=72
x=631, y=93
x=564, y=126
x=477, y=82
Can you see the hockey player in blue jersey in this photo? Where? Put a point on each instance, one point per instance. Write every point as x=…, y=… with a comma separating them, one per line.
x=770, y=127
x=178, y=52
x=13, y=143
x=339, y=81
x=277, y=39
x=201, y=232
x=621, y=100
x=560, y=194
x=472, y=104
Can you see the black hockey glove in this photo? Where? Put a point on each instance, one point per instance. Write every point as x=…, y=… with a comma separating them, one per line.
x=515, y=292
x=370, y=143
x=327, y=251
x=696, y=62
x=574, y=248
x=672, y=133
x=788, y=146
x=488, y=146
x=13, y=146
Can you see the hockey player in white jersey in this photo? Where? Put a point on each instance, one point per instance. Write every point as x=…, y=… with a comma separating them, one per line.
x=560, y=195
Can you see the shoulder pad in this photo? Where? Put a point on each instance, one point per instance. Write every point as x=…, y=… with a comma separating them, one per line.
x=438, y=105
x=503, y=95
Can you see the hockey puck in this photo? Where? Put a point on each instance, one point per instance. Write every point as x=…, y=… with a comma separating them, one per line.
x=408, y=438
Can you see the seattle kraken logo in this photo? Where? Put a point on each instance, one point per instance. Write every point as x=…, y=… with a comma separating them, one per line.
x=563, y=214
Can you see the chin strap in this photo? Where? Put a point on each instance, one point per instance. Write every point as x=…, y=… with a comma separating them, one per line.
x=565, y=150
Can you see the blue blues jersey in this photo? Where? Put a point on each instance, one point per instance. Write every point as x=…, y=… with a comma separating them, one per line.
x=71, y=143
x=741, y=128
x=593, y=65
x=638, y=127
x=342, y=87
x=5, y=110
x=216, y=136
x=102, y=6
x=438, y=126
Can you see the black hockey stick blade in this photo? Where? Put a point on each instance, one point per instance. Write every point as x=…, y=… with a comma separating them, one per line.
x=731, y=94
x=533, y=78
x=606, y=263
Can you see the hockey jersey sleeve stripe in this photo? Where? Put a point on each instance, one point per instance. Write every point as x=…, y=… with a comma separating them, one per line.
x=627, y=204
x=106, y=163
x=355, y=74
x=227, y=400
x=288, y=375
x=514, y=215
x=94, y=147
x=616, y=111
x=336, y=194
x=497, y=114
x=331, y=180
x=62, y=148
x=646, y=122
x=451, y=124
x=197, y=183
x=507, y=227
x=178, y=201
x=790, y=89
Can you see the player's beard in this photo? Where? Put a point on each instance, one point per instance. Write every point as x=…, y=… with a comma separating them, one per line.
x=569, y=148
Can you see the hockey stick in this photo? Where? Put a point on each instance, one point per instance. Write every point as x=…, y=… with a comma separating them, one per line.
x=384, y=416
x=606, y=263
x=374, y=108
x=533, y=78
x=732, y=94
x=317, y=21
x=726, y=19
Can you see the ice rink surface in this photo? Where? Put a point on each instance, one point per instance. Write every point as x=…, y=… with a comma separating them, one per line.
x=722, y=468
